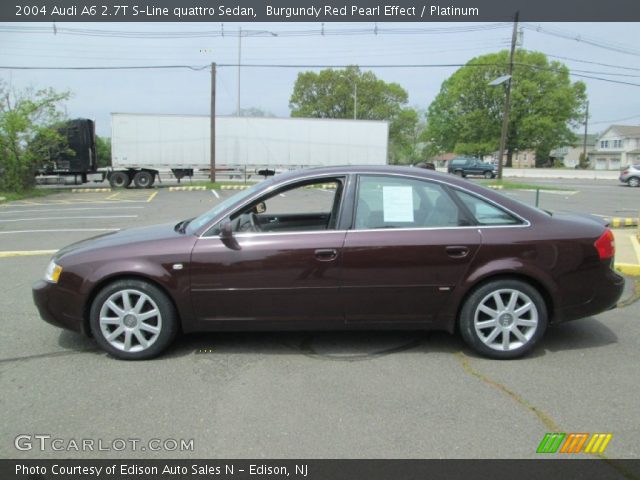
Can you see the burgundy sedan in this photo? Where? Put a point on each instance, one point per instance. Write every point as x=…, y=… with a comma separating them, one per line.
x=339, y=248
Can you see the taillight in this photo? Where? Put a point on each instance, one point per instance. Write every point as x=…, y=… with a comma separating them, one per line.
x=606, y=245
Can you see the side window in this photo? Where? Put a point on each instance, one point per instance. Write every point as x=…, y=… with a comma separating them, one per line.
x=301, y=207
x=393, y=202
x=484, y=212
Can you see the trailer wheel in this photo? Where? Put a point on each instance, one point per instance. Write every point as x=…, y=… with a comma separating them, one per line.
x=119, y=180
x=143, y=179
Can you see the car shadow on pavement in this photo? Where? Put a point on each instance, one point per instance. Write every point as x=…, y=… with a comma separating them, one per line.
x=351, y=346
x=325, y=345
x=581, y=334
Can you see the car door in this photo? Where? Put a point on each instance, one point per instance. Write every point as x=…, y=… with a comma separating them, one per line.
x=287, y=271
x=409, y=247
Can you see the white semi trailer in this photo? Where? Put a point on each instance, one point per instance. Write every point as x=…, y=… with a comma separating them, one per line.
x=143, y=145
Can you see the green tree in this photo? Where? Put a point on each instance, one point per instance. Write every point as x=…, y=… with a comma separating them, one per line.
x=27, y=133
x=341, y=93
x=103, y=151
x=466, y=116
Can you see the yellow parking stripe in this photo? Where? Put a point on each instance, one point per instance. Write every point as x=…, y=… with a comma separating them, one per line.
x=152, y=196
x=186, y=189
x=25, y=253
x=90, y=190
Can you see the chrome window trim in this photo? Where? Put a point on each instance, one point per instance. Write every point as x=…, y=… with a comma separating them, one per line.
x=310, y=232
x=526, y=223
x=266, y=191
x=454, y=187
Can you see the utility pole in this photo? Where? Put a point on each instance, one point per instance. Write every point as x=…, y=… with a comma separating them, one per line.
x=213, y=123
x=239, y=61
x=584, y=141
x=355, y=100
x=507, y=99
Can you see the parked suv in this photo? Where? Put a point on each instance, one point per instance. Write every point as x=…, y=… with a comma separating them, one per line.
x=631, y=175
x=463, y=166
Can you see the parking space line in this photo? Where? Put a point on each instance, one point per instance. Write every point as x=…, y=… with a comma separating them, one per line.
x=636, y=246
x=217, y=195
x=70, y=209
x=65, y=218
x=152, y=196
x=53, y=230
x=113, y=195
x=25, y=253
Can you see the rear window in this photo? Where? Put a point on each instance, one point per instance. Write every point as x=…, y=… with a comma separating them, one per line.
x=486, y=213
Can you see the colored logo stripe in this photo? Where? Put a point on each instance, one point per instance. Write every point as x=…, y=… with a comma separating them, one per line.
x=598, y=443
x=550, y=443
x=574, y=442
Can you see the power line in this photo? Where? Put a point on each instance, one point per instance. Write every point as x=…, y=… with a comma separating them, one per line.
x=372, y=30
x=594, y=63
x=336, y=66
x=617, y=120
x=615, y=47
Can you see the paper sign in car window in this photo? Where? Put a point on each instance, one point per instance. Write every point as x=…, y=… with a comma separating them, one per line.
x=397, y=204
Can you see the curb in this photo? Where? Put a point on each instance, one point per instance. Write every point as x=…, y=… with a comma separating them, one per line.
x=186, y=189
x=620, y=222
x=495, y=187
x=234, y=187
x=3, y=199
x=628, y=269
x=90, y=190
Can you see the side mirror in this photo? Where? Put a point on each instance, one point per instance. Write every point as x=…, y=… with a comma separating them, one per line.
x=226, y=235
x=226, y=230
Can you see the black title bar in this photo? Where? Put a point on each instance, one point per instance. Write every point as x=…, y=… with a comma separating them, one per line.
x=318, y=469
x=317, y=10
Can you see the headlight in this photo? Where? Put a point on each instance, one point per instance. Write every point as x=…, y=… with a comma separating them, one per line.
x=53, y=272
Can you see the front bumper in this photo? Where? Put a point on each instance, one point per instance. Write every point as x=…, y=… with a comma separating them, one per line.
x=56, y=306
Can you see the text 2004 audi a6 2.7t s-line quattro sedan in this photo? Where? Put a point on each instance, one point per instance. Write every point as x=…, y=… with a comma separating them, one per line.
x=339, y=248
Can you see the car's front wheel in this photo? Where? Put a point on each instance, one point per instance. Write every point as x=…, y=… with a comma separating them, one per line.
x=503, y=318
x=133, y=320
x=488, y=174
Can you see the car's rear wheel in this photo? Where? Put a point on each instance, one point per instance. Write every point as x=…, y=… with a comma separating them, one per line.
x=488, y=174
x=459, y=173
x=503, y=318
x=634, y=182
x=133, y=320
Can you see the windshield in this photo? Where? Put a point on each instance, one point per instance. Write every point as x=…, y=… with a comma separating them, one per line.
x=203, y=219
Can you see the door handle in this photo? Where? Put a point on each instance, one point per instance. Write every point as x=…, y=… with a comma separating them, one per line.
x=326, y=254
x=457, y=251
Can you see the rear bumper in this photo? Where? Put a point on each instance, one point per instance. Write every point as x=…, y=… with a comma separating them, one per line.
x=607, y=293
x=55, y=305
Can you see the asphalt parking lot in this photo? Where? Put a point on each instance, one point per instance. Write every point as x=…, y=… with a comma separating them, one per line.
x=299, y=395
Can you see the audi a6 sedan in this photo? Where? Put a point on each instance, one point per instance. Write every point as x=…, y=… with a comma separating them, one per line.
x=339, y=248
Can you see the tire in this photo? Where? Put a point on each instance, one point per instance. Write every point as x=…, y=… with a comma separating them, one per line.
x=499, y=340
x=145, y=329
x=634, y=182
x=459, y=173
x=119, y=180
x=488, y=175
x=143, y=179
